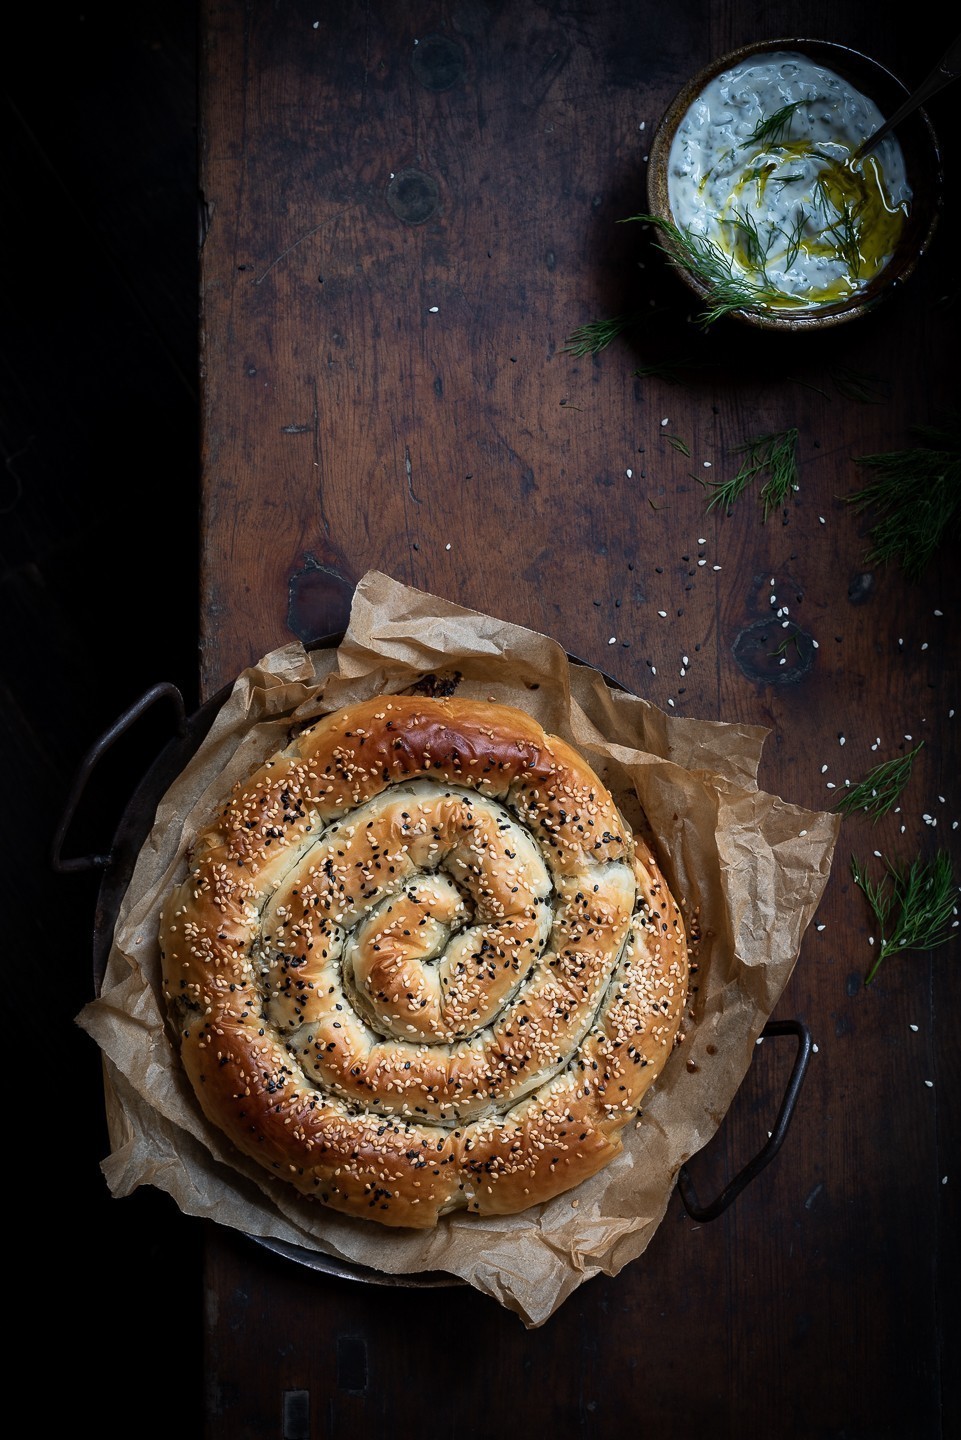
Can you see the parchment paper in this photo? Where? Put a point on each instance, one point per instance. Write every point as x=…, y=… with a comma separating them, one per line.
x=748, y=869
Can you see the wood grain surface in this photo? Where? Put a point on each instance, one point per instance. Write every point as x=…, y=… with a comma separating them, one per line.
x=409, y=209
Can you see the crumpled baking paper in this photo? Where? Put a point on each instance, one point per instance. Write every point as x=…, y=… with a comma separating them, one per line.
x=747, y=868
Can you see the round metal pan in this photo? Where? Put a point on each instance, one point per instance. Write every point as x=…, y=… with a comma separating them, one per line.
x=117, y=865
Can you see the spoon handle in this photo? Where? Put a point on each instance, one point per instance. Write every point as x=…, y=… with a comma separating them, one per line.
x=946, y=70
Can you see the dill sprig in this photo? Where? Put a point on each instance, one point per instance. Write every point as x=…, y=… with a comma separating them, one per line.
x=773, y=455
x=773, y=128
x=669, y=370
x=916, y=498
x=785, y=645
x=881, y=788
x=596, y=335
x=748, y=236
x=708, y=263
x=846, y=233
x=912, y=904
x=794, y=237
x=758, y=176
x=855, y=386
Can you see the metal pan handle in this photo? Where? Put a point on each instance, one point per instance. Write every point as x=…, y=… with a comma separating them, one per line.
x=164, y=690
x=754, y=1167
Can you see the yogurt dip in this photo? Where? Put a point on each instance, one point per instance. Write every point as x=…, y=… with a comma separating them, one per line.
x=762, y=178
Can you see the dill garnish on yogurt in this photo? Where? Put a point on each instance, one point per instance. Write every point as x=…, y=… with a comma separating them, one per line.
x=763, y=171
x=714, y=266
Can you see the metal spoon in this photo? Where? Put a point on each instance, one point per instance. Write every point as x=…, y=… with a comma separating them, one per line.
x=947, y=69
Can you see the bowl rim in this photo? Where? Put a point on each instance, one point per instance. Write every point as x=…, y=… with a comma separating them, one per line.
x=848, y=60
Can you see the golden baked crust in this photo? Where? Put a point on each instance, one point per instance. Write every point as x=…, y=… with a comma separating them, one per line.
x=419, y=963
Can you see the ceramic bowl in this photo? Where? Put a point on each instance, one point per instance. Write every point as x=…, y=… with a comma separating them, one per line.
x=922, y=158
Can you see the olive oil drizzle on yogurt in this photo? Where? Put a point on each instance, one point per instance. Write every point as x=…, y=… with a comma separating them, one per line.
x=763, y=169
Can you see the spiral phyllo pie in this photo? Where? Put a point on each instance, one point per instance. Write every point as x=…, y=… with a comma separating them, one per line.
x=419, y=963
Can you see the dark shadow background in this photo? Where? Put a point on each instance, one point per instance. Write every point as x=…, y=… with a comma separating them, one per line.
x=98, y=552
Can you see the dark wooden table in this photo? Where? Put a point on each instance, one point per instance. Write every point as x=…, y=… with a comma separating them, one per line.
x=410, y=207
